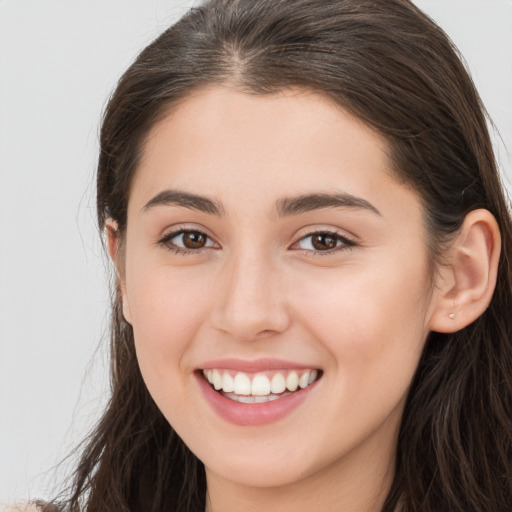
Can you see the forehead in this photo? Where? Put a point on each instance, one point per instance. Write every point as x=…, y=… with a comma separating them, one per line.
x=245, y=148
x=226, y=116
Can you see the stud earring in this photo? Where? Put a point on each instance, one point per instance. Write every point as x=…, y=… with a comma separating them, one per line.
x=451, y=316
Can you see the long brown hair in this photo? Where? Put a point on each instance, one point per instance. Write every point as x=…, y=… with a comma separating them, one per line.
x=392, y=67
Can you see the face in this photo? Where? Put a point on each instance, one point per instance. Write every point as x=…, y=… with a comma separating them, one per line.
x=270, y=253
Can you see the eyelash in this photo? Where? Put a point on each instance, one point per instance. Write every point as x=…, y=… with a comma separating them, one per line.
x=166, y=241
x=345, y=243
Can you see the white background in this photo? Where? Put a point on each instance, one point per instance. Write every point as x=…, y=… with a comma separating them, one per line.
x=59, y=60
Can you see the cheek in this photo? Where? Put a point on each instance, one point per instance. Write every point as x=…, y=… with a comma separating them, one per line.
x=371, y=327
x=166, y=308
x=370, y=318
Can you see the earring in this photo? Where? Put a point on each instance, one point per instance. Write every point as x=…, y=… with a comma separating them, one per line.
x=451, y=316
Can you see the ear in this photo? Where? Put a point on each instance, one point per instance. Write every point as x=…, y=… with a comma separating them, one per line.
x=117, y=256
x=467, y=283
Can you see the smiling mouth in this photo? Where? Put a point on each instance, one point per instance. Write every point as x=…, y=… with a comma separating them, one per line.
x=255, y=388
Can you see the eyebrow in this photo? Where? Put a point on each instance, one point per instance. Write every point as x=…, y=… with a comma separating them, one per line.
x=309, y=202
x=284, y=207
x=186, y=200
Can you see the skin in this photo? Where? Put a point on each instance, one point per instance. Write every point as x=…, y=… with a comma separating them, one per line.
x=360, y=313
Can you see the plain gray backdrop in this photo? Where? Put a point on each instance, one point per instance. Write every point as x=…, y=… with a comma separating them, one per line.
x=59, y=61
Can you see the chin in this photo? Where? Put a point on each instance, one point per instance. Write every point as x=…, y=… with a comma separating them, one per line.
x=258, y=473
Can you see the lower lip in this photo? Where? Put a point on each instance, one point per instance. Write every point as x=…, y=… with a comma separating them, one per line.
x=252, y=414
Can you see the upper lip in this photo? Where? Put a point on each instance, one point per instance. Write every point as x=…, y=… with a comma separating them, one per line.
x=254, y=365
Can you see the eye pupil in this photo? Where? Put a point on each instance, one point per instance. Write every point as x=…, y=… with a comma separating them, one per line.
x=324, y=241
x=194, y=240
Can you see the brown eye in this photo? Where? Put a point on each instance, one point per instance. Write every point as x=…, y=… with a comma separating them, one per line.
x=194, y=239
x=187, y=241
x=324, y=241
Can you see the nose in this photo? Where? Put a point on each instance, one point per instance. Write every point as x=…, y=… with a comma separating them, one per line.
x=253, y=302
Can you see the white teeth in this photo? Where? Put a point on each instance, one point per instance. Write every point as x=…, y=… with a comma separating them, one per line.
x=253, y=399
x=304, y=380
x=258, y=388
x=228, y=384
x=292, y=381
x=242, y=384
x=217, y=380
x=278, y=384
x=245, y=399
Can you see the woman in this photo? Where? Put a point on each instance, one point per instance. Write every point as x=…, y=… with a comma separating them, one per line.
x=313, y=286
